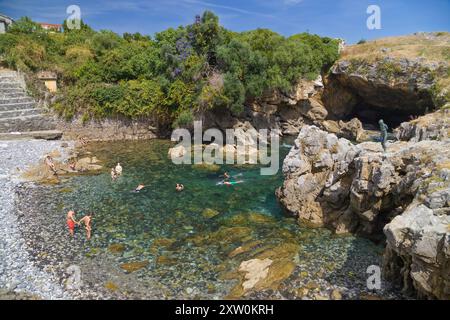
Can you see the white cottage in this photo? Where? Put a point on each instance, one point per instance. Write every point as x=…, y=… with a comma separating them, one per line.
x=5, y=22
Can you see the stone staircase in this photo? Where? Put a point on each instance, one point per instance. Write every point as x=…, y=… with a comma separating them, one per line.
x=20, y=118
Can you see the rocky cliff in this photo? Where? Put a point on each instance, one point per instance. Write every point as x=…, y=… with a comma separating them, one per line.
x=394, y=78
x=362, y=189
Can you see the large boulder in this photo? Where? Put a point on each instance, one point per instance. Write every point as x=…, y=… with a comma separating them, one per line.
x=418, y=251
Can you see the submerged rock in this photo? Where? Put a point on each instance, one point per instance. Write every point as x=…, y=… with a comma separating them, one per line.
x=116, y=248
x=134, y=266
x=210, y=213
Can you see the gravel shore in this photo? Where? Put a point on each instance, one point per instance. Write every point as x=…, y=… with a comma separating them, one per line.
x=17, y=271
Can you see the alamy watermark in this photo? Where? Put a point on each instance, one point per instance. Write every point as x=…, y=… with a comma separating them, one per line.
x=374, y=20
x=374, y=279
x=74, y=281
x=237, y=146
x=73, y=21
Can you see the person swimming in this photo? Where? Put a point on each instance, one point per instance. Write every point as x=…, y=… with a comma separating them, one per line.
x=139, y=187
x=232, y=183
x=179, y=187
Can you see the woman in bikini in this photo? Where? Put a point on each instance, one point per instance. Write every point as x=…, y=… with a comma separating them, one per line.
x=87, y=224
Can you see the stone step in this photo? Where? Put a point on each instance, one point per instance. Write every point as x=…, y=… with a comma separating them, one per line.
x=8, y=74
x=19, y=113
x=20, y=94
x=11, y=90
x=43, y=135
x=16, y=100
x=17, y=106
x=8, y=80
x=10, y=85
x=26, y=123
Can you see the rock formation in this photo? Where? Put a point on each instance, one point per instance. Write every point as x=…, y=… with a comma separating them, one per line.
x=360, y=189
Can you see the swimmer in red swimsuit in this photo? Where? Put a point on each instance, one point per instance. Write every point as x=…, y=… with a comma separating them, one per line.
x=71, y=222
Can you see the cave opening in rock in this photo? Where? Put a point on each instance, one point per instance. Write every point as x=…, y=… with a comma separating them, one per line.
x=351, y=97
x=369, y=115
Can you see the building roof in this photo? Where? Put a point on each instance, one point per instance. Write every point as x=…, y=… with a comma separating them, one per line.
x=5, y=17
x=50, y=24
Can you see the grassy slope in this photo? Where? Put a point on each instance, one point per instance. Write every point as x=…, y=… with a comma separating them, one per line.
x=431, y=47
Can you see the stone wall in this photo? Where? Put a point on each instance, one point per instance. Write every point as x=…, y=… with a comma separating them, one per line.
x=108, y=129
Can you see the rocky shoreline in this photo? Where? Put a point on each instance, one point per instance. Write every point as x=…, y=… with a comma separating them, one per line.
x=18, y=273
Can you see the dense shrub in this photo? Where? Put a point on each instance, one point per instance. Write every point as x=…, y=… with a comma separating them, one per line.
x=173, y=75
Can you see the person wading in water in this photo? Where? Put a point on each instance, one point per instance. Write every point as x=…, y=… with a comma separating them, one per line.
x=71, y=222
x=87, y=224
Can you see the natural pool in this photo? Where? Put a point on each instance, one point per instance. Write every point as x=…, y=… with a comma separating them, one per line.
x=189, y=244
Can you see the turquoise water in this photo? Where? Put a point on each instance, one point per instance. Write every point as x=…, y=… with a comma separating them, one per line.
x=186, y=240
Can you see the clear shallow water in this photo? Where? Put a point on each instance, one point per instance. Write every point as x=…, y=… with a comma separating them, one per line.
x=184, y=250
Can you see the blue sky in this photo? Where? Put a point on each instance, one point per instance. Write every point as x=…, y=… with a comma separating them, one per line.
x=340, y=18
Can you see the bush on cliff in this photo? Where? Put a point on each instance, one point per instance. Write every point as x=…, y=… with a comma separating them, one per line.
x=172, y=75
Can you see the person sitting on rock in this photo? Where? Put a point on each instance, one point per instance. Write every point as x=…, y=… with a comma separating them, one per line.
x=72, y=165
x=71, y=222
x=118, y=169
x=49, y=162
x=87, y=224
x=179, y=187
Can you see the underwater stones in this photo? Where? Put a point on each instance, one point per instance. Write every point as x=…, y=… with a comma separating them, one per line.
x=163, y=242
x=285, y=250
x=206, y=167
x=278, y=271
x=231, y=234
x=111, y=286
x=88, y=164
x=116, y=248
x=165, y=260
x=301, y=292
x=263, y=274
x=134, y=266
x=238, y=219
x=336, y=295
x=244, y=248
x=255, y=270
x=210, y=213
x=259, y=218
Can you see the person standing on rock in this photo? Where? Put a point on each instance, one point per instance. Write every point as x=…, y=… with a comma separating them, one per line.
x=87, y=225
x=384, y=133
x=71, y=222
